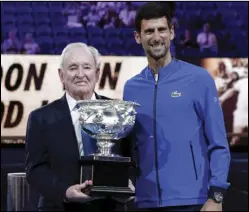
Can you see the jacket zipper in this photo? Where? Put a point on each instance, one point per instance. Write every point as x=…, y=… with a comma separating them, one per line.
x=193, y=158
x=155, y=146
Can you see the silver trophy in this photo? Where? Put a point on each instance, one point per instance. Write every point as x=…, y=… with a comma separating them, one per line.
x=107, y=121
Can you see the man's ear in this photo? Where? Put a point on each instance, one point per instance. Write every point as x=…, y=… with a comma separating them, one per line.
x=61, y=75
x=97, y=74
x=137, y=37
x=172, y=33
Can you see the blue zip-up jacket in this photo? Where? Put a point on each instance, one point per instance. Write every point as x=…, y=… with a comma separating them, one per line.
x=182, y=148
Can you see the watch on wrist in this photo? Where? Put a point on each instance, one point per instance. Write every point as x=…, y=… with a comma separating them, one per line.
x=218, y=197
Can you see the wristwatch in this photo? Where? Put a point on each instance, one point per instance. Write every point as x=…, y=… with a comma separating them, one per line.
x=216, y=194
x=218, y=197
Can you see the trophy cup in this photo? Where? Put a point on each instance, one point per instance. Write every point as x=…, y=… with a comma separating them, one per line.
x=107, y=121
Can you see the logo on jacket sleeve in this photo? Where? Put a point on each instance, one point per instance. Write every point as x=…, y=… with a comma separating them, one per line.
x=175, y=94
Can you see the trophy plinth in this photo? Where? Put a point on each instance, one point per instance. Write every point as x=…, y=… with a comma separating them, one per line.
x=107, y=121
x=109, y=175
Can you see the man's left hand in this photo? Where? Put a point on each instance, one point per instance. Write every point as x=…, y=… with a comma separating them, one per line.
x=211, y=205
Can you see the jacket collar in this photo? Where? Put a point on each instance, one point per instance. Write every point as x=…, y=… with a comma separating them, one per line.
x=163, y=71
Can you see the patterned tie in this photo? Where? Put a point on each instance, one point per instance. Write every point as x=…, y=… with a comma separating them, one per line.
x=85, y=147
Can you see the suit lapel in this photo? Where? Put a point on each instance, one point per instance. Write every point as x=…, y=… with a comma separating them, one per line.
x=97, y=96
x=64, y=121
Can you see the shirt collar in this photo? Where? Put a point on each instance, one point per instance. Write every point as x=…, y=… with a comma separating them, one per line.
x=163, y=71
x=72, y=102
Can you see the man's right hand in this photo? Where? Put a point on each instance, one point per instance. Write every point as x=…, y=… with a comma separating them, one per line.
x=75, y=193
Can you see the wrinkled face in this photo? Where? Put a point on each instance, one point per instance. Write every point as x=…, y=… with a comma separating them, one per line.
x=155, y=37
x=79, y=74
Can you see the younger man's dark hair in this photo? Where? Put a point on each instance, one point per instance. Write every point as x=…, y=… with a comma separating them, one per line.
x=152, y=10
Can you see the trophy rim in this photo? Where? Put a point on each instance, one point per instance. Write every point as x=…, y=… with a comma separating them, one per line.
x=109, y=101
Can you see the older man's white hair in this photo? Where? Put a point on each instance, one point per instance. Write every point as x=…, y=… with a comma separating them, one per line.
x=95, y=53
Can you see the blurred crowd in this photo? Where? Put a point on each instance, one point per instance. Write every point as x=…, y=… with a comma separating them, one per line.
x=12, y=45
x=122, y=14
x=100, y=14
x=205, y=41
x=188, y=41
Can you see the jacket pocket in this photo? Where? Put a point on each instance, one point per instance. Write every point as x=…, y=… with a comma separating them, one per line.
x=193, y=160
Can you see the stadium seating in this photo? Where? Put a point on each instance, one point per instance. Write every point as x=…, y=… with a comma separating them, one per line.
x=229, y=21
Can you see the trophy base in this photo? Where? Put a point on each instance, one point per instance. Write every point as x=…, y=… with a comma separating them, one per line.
x=110, y=175
x=111, y=191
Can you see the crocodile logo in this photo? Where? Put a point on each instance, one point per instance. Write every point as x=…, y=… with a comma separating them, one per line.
x=175, y=94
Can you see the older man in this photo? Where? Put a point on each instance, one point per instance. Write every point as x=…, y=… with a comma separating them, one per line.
x=54, y=143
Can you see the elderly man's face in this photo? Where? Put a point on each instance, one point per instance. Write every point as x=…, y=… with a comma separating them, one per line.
x=79, y=74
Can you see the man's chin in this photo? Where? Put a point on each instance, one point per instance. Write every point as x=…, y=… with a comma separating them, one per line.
x=158, y=57
x=82, y=90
